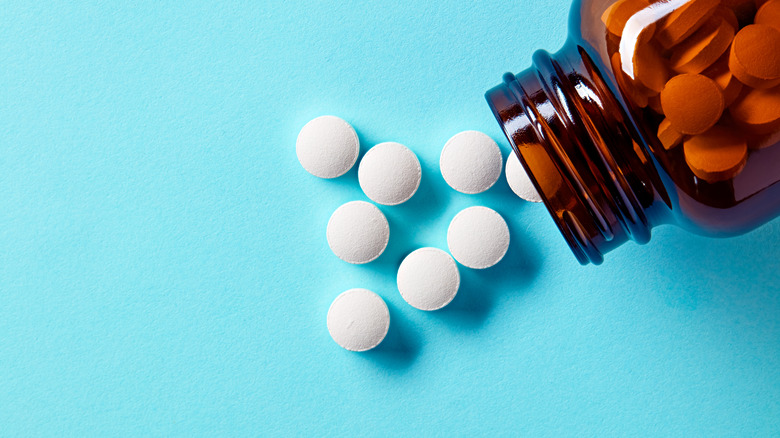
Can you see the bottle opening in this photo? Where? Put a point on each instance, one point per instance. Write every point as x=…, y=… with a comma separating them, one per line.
x=576, y=143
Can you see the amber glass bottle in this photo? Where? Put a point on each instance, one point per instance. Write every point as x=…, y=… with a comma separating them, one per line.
x=653, y=112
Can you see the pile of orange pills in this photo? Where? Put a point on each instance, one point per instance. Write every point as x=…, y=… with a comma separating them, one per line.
x=708, y=69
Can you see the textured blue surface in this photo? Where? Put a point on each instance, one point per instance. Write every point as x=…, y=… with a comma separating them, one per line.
x=164, y=269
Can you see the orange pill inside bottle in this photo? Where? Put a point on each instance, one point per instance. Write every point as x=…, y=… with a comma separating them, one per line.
x=654, y=112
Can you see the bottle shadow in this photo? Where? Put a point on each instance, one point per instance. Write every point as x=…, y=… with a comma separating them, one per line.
x=718, y=269
x=401, y=345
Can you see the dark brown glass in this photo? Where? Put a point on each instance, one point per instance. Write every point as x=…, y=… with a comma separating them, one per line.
x=595, y=158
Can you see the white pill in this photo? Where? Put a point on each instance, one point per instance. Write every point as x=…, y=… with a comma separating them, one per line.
x=478, y=237
x=471, y=162
x=428, y=279
x=358, y=232
x=389, y=173
x=327, y=147
x=358, y=320
x=519, y=181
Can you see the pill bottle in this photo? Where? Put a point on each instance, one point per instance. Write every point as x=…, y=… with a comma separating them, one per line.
x=654, y=112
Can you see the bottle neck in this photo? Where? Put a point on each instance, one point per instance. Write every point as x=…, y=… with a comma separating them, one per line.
x=583, y=151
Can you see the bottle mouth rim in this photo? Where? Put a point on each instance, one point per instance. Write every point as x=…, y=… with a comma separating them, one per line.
x=578, y=151
x=503, y=101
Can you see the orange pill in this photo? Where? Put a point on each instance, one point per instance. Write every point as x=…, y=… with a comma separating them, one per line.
x=755, y=56
x=684, y=21
x=758, y=110
x=650, y=68
x=716, y=155
x=730, y=86
x=692, y=103
x=630, y=89
x=769, y=14
x=728, y=15
x=704, y=47
x=668, y=136
x=617, y=15
x=720, y=73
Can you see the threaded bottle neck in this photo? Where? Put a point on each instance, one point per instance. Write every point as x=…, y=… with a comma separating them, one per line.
x=582, y=150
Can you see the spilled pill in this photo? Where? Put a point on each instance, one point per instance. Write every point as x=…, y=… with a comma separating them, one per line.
x=428, y=279
x=519, y=181
x=358, y=320
x=471, y=162
x=389, y=173
x=478, y=237
x=358, y=232
x=327, y=147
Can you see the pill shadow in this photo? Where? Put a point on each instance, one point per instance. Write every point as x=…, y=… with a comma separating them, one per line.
x=472, y=305
x=400, y=347
x=501, y=193
x=402, y=241
x=405, y=221
x=350, y=179
x=481, y=288
x=522, y=262
x=426, y=203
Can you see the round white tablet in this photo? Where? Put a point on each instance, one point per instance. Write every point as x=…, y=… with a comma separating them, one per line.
x=519, y=181
x=327, y=147
x=478, y=237
x=471, y=162
x=358, y=232
x=358, y=320
x=389, y=173
x=428, y=279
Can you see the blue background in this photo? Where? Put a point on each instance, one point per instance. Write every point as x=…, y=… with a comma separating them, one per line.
x=164, y=268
